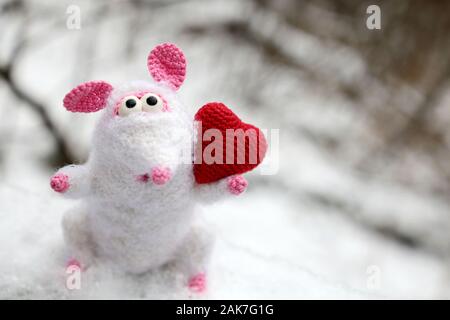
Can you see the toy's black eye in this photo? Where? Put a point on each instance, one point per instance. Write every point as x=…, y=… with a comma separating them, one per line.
x=130, y=103
x=152, y=102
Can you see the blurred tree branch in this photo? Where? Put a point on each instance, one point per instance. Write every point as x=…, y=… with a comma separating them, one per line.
x=410, y=51
x=63, y=153
x=421, y=237
x=62, y=149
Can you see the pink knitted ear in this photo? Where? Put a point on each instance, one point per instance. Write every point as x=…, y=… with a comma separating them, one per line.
x=166, y=63
x=88, y=97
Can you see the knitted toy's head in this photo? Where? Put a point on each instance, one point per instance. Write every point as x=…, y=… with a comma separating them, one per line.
x=138, y=114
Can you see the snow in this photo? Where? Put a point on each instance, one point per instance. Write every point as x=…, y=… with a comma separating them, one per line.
x=267, y=247
x=244, y=264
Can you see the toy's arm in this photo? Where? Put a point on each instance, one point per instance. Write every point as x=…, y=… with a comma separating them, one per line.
x=71, y=180
x=211, y=192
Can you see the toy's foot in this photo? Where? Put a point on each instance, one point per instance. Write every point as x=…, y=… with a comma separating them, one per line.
x=197, y=283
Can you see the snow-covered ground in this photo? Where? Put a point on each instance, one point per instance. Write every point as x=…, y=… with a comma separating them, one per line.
x=268, y=246
x=313, y=229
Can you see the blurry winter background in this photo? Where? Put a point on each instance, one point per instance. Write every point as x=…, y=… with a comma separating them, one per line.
x=359, y=206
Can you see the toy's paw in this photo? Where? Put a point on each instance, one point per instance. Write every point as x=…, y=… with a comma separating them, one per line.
x=161, y=175
x=237, y=184
x=59, y=182
x=197, y=283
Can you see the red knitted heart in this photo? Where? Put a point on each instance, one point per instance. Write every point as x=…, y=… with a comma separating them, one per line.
x=244, y=153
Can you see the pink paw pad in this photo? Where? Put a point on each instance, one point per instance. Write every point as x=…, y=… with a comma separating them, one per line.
x=237, y=185
x=197, y=283
x=59, y=182
x=160, y=175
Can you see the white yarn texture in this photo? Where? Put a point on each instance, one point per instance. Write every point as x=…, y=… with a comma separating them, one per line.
x=139, y=226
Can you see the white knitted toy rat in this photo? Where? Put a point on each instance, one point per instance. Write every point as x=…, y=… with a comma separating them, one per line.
x=140, y=186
